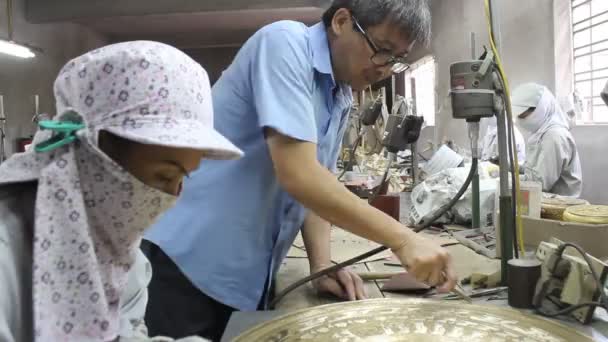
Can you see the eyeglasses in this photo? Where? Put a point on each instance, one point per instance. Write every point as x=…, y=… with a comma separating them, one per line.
x=383, y=58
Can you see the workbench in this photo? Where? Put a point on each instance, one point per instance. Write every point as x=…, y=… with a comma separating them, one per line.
x=345, y=245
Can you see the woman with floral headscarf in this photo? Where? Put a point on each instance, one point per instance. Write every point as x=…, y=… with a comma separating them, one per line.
x=132, y=120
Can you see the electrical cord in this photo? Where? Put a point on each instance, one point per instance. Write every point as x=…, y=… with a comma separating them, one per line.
x=424, y=224
x=513, y=188
x=569, y=309
x=518, y=243
x=512, y=160
x=603, y=303
x=507, y=98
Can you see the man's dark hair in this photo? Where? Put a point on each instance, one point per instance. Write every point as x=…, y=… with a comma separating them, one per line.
x=413, y=17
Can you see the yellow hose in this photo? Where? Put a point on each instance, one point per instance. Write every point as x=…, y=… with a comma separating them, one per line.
x=518, y=221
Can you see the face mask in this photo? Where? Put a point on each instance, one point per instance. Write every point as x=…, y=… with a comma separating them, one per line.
x=530, y=124
x=90, y=217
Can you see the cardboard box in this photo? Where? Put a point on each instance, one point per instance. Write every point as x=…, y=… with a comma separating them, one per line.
x=592, y=238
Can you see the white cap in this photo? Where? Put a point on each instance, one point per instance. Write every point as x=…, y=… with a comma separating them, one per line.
x=526, y=96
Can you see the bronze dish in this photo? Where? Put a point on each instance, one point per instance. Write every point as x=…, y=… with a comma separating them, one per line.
x=416, y=320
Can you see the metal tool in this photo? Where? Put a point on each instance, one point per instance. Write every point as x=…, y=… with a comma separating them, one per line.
x=459, y=291
x=366, y=276
x=476, y=93
x=478, y=294
x=369, y=276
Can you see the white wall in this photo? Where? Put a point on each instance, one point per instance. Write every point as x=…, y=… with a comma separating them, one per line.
x=529, y=54
x=20, y=79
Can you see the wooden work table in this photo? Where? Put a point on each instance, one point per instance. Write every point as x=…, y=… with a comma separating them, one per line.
x=295, y=267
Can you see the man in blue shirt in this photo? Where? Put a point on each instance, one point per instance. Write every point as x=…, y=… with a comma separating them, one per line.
x=285, y=102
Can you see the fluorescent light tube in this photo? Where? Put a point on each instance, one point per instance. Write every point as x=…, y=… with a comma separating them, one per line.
x=14, y=49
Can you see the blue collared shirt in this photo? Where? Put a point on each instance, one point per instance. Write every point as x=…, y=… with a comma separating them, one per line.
x=233, y=224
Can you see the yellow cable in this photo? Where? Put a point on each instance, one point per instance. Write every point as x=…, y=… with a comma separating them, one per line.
x=518, y=221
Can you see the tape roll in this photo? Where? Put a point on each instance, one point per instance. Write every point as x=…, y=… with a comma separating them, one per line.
x=590, y=214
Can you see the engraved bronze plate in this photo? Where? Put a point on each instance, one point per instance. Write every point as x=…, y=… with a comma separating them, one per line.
x=392, y=320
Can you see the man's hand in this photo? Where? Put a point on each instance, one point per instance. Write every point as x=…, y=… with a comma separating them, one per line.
x=428, y=262
x=343, y=284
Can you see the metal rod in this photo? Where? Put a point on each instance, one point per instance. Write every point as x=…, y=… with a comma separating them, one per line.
x=473, y=47
x=590, y=44
x=9, y=19
x=36, y=104
x=590, y=53
x=393, y=90
x=590, y=18
x=414, y=146
x=581, y=4
x=590, y=26
x=2, y=116
x=592, y=79
x=415, y=163
x=476, y=206
x=506, y=220
x=590, y=71
x=474, y=132
x=476, y=210
x=476, y=221
x=414, y=96
x=2, y=130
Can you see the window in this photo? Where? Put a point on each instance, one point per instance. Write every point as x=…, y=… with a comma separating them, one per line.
x=423, y=72
x=590, y=43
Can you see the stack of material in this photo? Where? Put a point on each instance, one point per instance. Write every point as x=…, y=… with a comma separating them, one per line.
x=553, y=206
x=590, y=214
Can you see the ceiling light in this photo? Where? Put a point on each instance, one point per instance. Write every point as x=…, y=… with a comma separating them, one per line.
x=14, y=49
x=8, y=46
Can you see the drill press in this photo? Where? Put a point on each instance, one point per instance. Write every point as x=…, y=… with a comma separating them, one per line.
x=476, y=93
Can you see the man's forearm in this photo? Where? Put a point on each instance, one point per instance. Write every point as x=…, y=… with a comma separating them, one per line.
x=316, y=234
